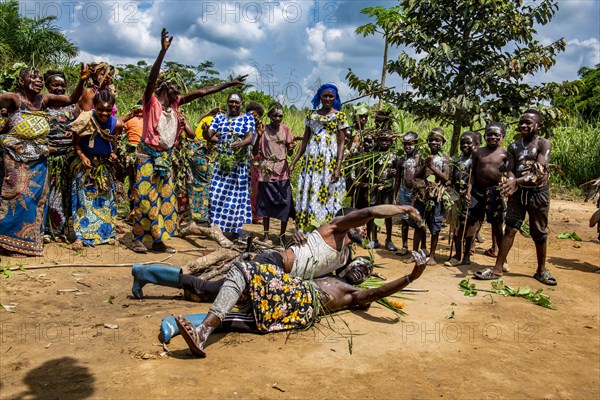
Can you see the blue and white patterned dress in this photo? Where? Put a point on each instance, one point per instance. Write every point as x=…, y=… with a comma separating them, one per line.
x=318, y=199
x=230, y=190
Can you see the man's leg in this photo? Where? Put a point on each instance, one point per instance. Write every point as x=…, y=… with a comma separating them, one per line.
x=266, y=222
x=405, y=233
x=389, y=226
x=228, y=296
x=434, y=242
x=505, y=246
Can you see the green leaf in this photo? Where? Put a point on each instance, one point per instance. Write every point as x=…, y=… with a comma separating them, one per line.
x=380, y=222
x=572, y=236
x=431, y=178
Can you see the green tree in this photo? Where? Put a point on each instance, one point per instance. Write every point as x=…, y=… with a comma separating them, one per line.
x=586, y=103
x=37, y=42
x=471, y=57
x=385, y=19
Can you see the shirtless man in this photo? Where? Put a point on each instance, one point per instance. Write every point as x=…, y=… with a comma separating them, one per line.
x=483, y=193
x=527, y=188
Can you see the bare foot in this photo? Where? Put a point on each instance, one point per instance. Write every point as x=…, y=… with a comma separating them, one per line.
x=410, y=260
x=77, y=244
x=465, y=261
x=431, y=261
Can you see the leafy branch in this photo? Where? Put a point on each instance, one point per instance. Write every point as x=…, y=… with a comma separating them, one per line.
x=499, y=287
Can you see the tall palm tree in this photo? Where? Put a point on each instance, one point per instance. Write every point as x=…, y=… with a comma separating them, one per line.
x=31, y=41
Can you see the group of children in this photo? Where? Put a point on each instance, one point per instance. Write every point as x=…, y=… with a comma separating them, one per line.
x=465, y=191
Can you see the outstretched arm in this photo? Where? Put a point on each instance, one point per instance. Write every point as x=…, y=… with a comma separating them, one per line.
x=165, y=42
x=366, y=297
x=196, y=94
x=343, y=295
x=361, y=217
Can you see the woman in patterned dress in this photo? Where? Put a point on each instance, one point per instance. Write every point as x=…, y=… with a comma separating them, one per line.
x=60, y=149
x=155, y=202
x=321, y=189
x=93, y=189
x=25, y=145
x=230, y=186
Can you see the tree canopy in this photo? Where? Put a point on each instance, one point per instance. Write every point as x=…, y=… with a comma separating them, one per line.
x=466, y=60
x=35, y=42
x=586, y=103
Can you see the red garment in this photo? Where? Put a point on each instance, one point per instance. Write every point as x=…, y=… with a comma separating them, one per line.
x=151, y=113
x=254, y=190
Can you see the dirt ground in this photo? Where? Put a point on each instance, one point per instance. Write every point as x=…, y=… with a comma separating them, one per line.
x=55, y=345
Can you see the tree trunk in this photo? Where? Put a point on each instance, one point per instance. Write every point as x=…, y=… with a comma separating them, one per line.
x=384, y=68
x=455, y=138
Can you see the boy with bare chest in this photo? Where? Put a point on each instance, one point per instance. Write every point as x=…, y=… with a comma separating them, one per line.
x=527, y=188
x=483, y=194
x=407, y=167
x=428, y=192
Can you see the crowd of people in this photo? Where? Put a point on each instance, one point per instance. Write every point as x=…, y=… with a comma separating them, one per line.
x=59, y=182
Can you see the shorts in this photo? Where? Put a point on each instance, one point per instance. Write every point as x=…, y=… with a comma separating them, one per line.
x=489, y=206
x=433, y=218
x=536, y=203
x=404, y=199
x=360, y=198
x=384, y=196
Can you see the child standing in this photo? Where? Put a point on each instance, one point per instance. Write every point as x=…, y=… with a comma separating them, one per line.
x=483, y=196
x=407, y=166
x=428, y=193
x=256, y=111
x=274, y=195
x=383, y=191
x=359, y=177
x=527, y=188
x=460, y=180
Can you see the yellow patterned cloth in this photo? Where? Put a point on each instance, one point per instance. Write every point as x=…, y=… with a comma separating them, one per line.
x=155, y=204
x=30, y=125
x=279, y=300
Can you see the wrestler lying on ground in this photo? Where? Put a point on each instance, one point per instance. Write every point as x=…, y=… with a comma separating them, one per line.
x=317, y=254
x=196, y=289
x=280, y=302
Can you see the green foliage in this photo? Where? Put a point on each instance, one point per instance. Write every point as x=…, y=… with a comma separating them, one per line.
x=576, y=151
x=469, y=289
x=36, y=42
x=464, y=72
x=573, y=236
x=6, y=270
x=586, y=101
x=499, y=287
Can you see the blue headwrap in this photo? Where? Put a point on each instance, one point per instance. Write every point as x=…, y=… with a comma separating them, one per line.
x=316, y=101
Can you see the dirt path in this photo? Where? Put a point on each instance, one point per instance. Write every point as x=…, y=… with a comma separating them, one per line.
x=54, y=343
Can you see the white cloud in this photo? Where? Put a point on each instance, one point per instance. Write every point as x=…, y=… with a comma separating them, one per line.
x=282, y=44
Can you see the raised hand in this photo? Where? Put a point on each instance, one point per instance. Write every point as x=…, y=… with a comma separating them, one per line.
x=165, y=40
x=84, y=72
x=239, y=79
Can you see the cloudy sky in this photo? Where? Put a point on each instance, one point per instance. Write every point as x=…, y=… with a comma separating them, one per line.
x=287, y=47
